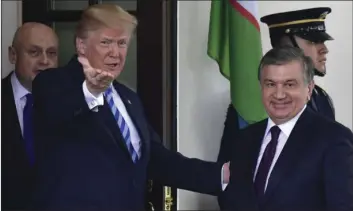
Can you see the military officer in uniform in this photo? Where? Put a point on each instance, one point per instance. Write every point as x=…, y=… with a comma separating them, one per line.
x=305, y=29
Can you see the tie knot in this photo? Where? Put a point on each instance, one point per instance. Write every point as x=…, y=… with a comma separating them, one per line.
x=108, y=91
x=29, y=99
x=275, y=131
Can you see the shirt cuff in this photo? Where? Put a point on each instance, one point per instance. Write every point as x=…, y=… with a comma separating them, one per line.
x=224, y=185
x=92, y=101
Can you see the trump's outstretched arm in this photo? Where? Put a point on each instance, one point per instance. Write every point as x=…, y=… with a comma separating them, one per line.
x=173, y=169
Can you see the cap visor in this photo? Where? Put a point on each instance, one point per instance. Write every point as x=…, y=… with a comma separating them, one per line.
x=316, y=36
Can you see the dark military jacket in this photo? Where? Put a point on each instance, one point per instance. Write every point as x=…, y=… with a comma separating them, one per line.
x=321, y=102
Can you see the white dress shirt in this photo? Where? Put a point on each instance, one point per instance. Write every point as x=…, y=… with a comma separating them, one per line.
x=19, y=93
x=93, y=102
x=286, y=129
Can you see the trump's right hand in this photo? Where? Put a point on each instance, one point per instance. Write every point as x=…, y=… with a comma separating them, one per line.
x=97, y=80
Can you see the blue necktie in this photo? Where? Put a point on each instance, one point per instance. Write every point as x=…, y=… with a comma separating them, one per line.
x=28, y=128
x=266, y=162
x=121, y=123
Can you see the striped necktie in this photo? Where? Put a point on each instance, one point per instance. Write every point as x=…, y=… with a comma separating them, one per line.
x=124, y=129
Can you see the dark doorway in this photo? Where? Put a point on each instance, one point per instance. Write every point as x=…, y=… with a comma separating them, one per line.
x=151, y=63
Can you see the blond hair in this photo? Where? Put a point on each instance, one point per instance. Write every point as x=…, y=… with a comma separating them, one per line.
x=104, y=15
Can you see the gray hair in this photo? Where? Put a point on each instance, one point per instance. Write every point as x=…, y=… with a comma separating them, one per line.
x=286, y=54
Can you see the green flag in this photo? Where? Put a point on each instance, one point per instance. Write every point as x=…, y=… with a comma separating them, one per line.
x=234, y=41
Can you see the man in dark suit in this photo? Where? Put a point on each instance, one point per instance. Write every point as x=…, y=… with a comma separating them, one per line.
x=34, y=48
x=296, y=159
x=96, y=147
x=304, y=29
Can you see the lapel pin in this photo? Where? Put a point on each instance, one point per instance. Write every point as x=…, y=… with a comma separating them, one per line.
x=129, y=101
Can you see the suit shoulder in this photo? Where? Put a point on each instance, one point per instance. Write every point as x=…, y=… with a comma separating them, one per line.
x=249, y=130
x=321, y=91
x=51, y=78
x=5, y=82
x=318, y=88
x=341, y=130
x=8, y=77
x=256, y=125
x=125, y=88
x=50, y=74
x=131, y=94
x=331, y=128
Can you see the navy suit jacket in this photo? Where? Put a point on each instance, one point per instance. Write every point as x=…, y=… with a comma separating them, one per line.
x=82, y=160
x=313, y=173
x=16, y=172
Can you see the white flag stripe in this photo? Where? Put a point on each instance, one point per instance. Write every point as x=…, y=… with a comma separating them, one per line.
x=251, y=7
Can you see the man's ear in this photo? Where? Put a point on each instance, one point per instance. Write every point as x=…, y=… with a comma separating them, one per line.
x=12, y=55
x=311, y=86
x=80, y=46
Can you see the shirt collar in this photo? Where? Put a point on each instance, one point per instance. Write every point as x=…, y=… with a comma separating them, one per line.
x=19, y=91
x=286, y=127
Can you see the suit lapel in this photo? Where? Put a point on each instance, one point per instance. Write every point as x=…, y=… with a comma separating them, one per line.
x=290, y=153
x=11, y=106
x=110, y=125
x=15, y=140
x=255, y=140
x=257, y=137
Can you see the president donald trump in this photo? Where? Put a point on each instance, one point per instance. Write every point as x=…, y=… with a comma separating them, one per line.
x=96, y=149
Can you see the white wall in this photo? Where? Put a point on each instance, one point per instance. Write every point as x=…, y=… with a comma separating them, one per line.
x=203, y=94
x=11, y=19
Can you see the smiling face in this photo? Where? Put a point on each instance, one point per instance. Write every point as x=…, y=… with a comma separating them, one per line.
x=316, y=51
x=105, y=49
x=284, y=90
